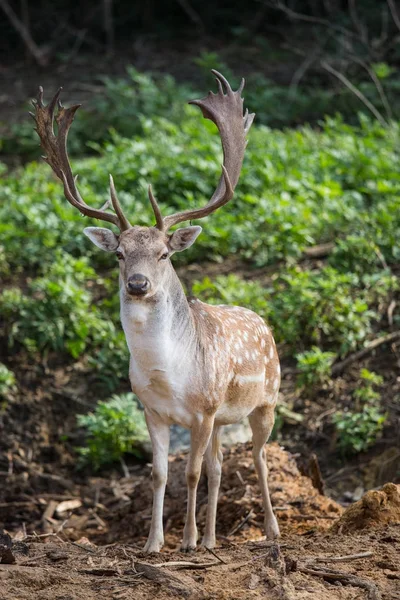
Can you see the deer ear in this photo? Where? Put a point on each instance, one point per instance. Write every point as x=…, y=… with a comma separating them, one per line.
x=102, y=237
x=183, y=238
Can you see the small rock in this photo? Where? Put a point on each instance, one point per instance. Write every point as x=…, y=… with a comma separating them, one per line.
x=6, y=555
x=253, y=582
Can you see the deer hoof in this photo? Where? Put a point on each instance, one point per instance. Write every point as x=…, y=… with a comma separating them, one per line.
x=153, y=546
x=188, y=548
x=272, y=529
x=208, y=542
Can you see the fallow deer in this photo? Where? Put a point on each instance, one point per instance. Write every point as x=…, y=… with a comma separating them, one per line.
x=192, y=364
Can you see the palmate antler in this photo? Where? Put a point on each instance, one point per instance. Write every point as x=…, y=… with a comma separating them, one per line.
x=55, y=145
x=224, y=108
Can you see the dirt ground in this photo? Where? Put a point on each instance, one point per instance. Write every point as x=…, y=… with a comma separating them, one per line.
x=86, y=542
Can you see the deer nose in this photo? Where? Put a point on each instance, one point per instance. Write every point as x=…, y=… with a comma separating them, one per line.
x=138, y=285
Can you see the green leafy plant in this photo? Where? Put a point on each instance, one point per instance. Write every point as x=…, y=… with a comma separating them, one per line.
x=315, y=367
x=7, y=380
x=360, y=428
x=114, y=428
x=57, y=312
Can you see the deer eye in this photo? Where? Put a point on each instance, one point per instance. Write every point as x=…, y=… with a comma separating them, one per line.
x=164, y=256
x=119, y=255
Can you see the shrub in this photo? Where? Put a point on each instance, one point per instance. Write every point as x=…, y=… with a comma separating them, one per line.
x=114, y=428
x=57, y=312
x=7, y=380
x=359, y=429
x=315, y=367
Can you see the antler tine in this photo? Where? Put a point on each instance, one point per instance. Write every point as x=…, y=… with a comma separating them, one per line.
x=55, y=146
x=156, y=210
x=225, y=109
x=124, y=223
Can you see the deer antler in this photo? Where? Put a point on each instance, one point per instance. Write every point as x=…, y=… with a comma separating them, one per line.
x=225, y=109
x=57, y=157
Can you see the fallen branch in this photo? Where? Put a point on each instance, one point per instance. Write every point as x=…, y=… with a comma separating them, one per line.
x=184, y=564
x=341, y=366
x=184, y=586
x=345, y=558
x=319, y=251
x=32, y=559
x=345, y=579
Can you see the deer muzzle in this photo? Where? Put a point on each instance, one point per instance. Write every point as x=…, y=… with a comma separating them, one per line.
x=138, y=285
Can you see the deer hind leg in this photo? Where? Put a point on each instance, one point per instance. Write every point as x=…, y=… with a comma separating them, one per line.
x=200, y=437
x=159, y=435
x=261, y=422
x=213, y=457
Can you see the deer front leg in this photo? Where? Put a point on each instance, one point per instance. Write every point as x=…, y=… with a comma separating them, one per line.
x=159, y=435
x=200, y=437
x=213, y=459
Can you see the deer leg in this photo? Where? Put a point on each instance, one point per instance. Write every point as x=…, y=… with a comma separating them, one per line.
x=200, y=437
x=261, y=422
x=213, y=457
x=159, y=435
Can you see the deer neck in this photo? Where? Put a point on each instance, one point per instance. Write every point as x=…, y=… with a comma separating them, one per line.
x=162, y=324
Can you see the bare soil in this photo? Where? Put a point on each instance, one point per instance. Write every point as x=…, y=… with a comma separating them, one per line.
x=86, y=542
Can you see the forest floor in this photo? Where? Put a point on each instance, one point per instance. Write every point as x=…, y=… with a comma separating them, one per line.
x=77, y=539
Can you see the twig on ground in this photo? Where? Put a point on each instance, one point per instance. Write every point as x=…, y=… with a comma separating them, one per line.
x=341, y=366
x=185, y=586
x=84, y=547
x=124, y=467
x=27, y=561
x=315, y=474
x=184, y=564
x=243, y=522
x=47, y=517
x=221, y=560
x=345, y=558
x=239, y=476
x=345, y=579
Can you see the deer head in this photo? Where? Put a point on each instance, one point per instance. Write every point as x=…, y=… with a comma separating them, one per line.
x=144, y=252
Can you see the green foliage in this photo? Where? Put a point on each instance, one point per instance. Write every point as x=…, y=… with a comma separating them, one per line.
x=315, y=367
x=7, y=380
x=359, y=429
x=308, y=307
x=124, y=103
x=338, y=183
x=118, y=107
x=56, y=313
x=115, y=428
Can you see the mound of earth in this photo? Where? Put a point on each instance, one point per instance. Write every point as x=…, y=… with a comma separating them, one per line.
x=298, y=505
x=376, y=507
